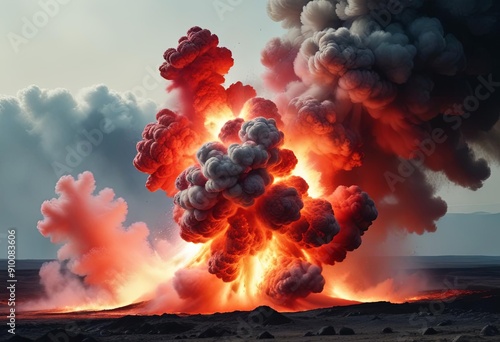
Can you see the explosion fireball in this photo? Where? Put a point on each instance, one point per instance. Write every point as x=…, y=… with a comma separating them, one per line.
x=268, y=195
x=240, y=196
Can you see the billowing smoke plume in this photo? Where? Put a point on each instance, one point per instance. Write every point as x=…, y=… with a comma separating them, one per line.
x=100, y=261
x=382, y=92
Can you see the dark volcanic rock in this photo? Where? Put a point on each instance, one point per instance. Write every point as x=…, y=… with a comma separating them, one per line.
x=387, y=330
x=489, y=330
x=170, y=316
x=104, y=333
x=264, y=315
x=17, y=338
x=326, y=331
x=172, y=327
x=445, y=323
x=146, y=328
x=208, y=333
x=265, y=335
x=63, y=335
x=126, y=324
x=138, y=325
x=214, y=332
x=429, y=331
x=346, y=331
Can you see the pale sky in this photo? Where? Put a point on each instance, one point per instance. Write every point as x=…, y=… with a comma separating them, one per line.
x=77, y=44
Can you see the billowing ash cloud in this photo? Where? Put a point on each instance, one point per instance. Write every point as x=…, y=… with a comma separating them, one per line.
x=389, y=90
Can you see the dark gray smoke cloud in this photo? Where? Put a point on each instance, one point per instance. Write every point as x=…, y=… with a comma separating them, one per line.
x=387, y=91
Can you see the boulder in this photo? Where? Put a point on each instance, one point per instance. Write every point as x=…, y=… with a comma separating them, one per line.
x=264, y=315
x=346, y=331
x=429, y=331
x=265, y=336
x=326, y=331
x=489, y=330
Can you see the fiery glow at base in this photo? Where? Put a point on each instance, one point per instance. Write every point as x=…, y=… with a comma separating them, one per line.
x=269, y=196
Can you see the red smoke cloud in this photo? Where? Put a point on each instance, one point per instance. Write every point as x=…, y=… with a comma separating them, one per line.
x=196, y=68
x=101, y=261
x=272, y=193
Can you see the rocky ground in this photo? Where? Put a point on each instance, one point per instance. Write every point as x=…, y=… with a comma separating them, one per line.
x=474, y=316
x=470, y=311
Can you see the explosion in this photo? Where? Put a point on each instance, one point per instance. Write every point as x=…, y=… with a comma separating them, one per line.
x=240, y=196
x=271, y=194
